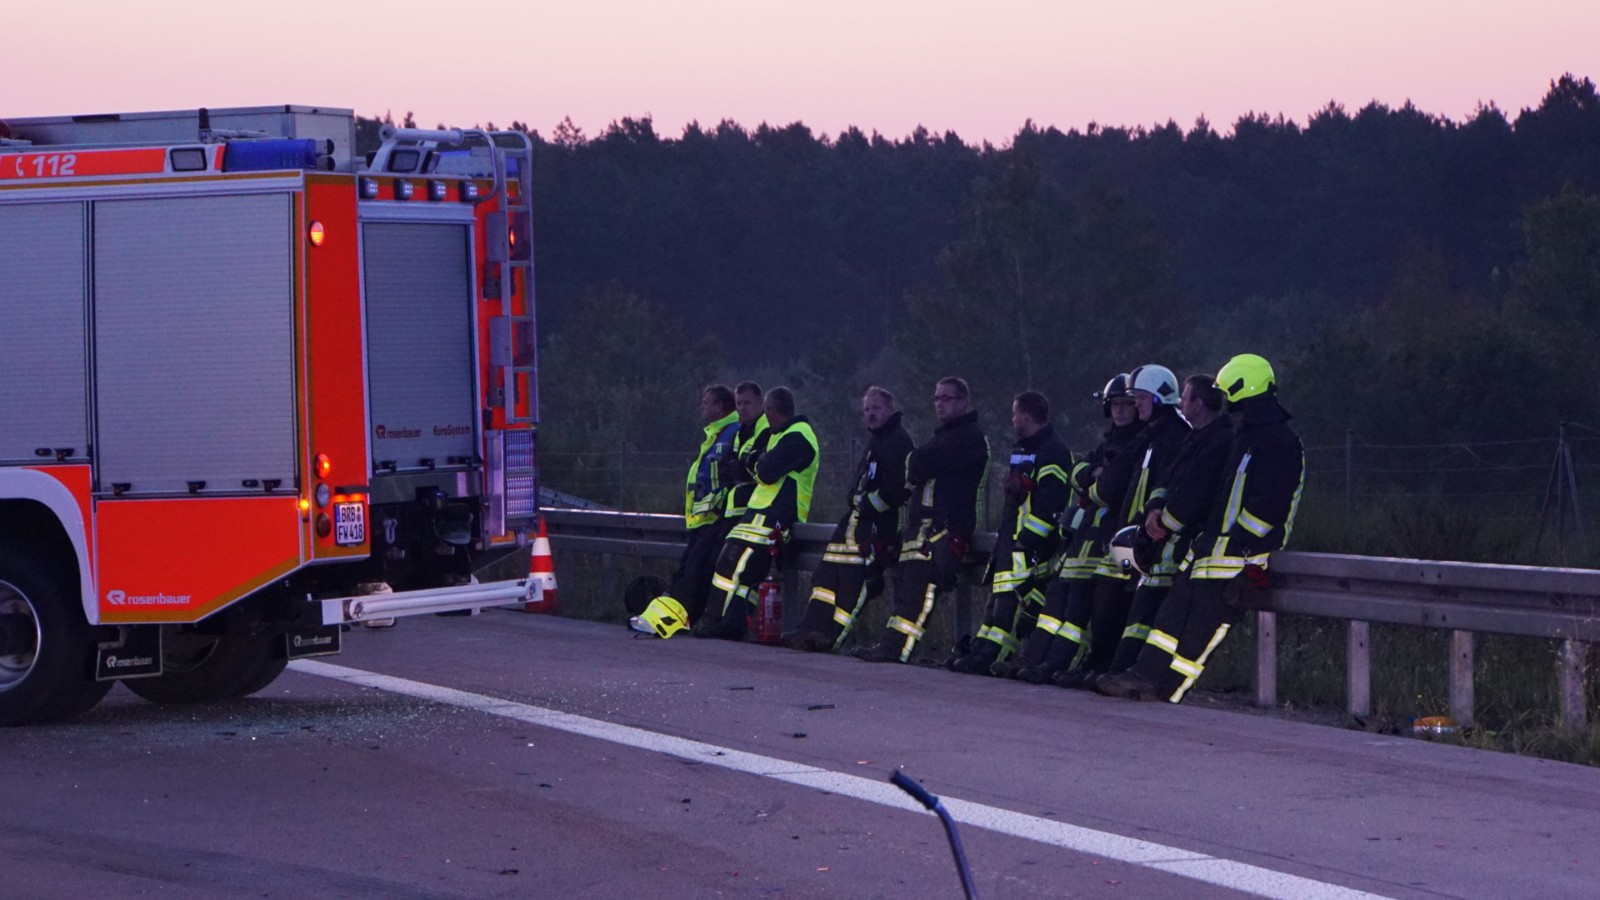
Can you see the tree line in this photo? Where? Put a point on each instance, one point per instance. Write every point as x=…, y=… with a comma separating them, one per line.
x=1412, y=277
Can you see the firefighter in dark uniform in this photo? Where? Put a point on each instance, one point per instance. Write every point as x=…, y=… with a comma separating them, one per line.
x=1155, y=392
x=1225, y=568
x=785, y=473
x=1098, y=482
x=1023, y=562
x=705, y=498
x=867, y=540
x=1176, y=509
x=946, y=476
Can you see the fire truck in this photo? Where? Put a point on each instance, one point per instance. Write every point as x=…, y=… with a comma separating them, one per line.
x=255, y=387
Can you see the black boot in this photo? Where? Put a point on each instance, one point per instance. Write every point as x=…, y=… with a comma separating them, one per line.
x=1059, y=656
x=887, y=649
x=977, y=660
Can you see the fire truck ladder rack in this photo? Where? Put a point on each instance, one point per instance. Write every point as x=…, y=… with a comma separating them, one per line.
x=513, y=338
x=509, y=156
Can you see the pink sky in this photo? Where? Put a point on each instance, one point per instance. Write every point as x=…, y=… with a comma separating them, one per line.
x=978, y=68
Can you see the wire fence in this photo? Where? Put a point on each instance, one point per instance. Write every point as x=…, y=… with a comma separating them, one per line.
x=1544, y=489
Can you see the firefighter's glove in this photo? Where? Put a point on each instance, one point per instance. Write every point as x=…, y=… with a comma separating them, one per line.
x=1018, y=486
x=958, y=547
x=1246, y=590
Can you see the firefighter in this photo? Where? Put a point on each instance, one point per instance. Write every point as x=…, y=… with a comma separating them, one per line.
x=1177, y=508
x=705, y=499
x=1225, y=568
x=748, y=442
x=1098, y=481
x=866, y=540
x=1155, y=393
x=785, y=471
x=1036, y=492
x=946, y=477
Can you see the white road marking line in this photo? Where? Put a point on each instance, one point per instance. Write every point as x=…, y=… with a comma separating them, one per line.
x=1186, y=863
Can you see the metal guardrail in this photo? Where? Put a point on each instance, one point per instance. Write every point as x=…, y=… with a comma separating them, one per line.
x=1463, y=598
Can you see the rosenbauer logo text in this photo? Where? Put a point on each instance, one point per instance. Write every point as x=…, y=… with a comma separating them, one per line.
x=386, y=433
x=123, y=598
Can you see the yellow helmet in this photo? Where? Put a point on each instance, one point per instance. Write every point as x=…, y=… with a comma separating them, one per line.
x=664, y=616
x=1246, y=375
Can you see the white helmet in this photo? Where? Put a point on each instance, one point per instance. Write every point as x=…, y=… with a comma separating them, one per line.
x=1134, y=550
x=1159, y=381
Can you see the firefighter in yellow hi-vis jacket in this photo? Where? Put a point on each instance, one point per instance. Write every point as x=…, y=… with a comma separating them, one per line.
x=785, y=473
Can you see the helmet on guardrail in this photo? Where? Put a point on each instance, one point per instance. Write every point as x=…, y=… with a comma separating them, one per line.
x=664, y=617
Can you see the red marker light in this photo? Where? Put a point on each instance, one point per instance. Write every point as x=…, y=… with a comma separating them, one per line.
x=316, y=234
x=324, y=465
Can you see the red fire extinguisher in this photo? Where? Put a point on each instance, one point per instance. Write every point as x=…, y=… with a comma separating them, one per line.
x=766, y=620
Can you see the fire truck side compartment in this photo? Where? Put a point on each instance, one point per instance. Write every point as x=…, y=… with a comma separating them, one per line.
x=42, y=305
x=420, y=355
x=194, y=338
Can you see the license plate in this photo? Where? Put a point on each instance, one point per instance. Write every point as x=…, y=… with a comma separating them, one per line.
x=349, y=524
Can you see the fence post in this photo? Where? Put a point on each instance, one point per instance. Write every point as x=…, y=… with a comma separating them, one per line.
x=1572, y=485
x=1358, y=672
x=622, y=477
x=963, y=626
x=1574, y=676
x=608, y=580
x=1349, y=469
x=1461, y=688
x=1266, y=658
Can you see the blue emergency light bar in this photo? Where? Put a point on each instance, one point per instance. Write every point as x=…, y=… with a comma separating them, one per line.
x=266, y=155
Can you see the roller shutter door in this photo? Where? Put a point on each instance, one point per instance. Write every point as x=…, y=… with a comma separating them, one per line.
x=194, y=342
x=43, y=367
x=419, y=304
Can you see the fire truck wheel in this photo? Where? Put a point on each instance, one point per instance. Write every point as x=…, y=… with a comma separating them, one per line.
x=201, y=668
x=46, y=650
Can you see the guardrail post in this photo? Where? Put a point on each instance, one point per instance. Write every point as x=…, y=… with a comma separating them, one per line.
x=1461, y=699
x=1266, y=658
x=1358, y=671
x=1574, y=676
x=963, y=626
x=794, y=605
x=608, y=580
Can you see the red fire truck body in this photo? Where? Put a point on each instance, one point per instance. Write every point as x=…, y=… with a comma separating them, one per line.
x=252, y=391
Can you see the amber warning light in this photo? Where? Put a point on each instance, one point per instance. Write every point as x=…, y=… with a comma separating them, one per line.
x=316, y=234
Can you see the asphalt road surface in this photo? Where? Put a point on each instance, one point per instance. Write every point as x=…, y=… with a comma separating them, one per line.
x=511, y=755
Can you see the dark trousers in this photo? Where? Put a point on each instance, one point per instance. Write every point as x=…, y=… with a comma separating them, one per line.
x=1054, y=640
x=928, y=568
x=744, y=560
x=1020, y=582
x=851, y=574
x=1102, y=611
x=691, y=586
x=1190, y=624
x=1147, y=601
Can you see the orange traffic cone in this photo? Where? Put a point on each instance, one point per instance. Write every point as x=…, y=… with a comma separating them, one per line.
x=542, y=574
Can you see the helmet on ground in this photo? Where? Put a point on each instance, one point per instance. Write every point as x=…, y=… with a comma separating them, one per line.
x=1135, y=550
x=1116, y=387
x=1159, y=381
x=665, y=616
x=1246, y=375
